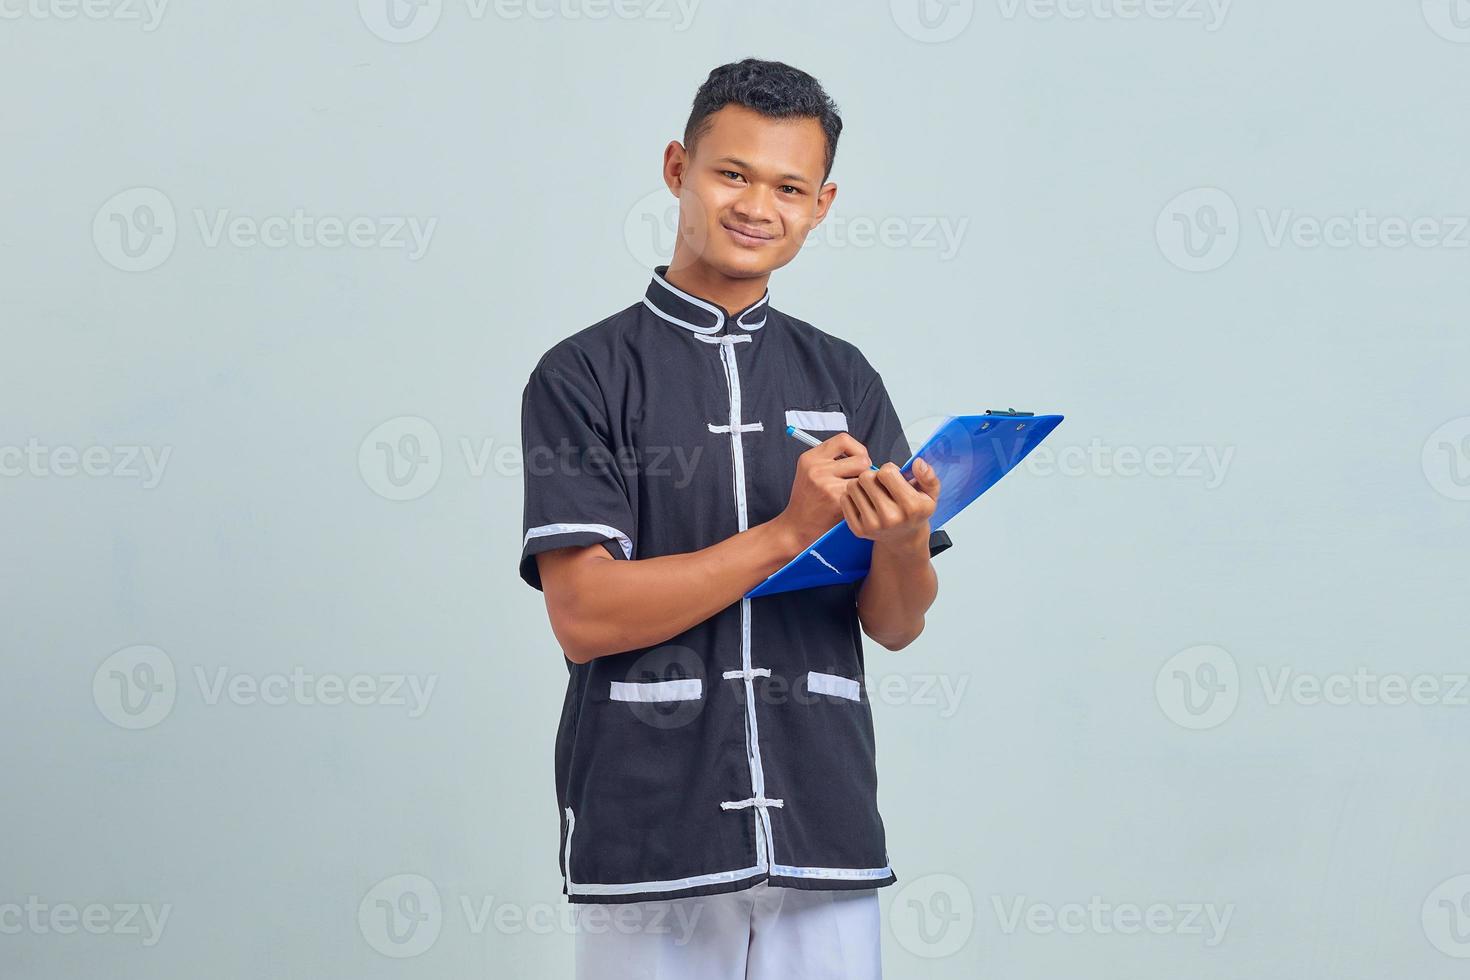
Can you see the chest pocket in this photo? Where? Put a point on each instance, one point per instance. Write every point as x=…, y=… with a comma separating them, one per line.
x=829, y=418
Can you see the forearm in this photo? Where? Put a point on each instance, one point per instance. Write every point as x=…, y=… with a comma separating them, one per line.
x=614, y=605
x=899, y=589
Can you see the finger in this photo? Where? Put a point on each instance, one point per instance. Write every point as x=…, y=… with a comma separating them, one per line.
x=842, y=444
x=885, y=509
x=848, y=467
x=927, y=479
x=898, y=486
x=857, y=493
x=851, y=516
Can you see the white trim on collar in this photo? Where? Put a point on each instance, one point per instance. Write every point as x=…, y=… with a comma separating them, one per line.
x=719, y=314
x=695, y=300
x=740, y=320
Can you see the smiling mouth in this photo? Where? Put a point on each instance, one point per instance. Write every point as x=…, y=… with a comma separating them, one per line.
x=750, y=238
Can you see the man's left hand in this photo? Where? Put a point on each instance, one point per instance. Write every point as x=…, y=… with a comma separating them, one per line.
x=882, y=506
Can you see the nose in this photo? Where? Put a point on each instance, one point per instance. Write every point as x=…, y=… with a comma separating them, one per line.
x=756, y=205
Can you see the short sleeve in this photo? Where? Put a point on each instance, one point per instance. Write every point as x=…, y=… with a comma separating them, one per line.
x=876, y=426
x=576, y=491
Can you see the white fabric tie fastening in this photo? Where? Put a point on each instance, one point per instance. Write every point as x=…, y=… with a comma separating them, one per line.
x=753, y=801
x=746, y=675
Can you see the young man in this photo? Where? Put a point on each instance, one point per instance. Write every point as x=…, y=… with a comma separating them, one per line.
x=715, y=760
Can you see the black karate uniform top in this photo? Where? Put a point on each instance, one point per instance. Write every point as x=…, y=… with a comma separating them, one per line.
x=741, y=749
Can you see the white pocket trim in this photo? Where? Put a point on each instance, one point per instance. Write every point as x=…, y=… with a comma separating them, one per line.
x=687, y=689
x=821, y=421
x=842, y=687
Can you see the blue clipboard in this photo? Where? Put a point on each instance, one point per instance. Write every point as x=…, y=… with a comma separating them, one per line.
x=969, y=453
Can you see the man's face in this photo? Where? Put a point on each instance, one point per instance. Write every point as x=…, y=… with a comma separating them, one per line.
x=750, y=192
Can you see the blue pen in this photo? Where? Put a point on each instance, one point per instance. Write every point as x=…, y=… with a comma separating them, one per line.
x=809, y=439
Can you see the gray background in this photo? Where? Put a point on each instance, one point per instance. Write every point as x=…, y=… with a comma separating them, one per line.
x=341, y=490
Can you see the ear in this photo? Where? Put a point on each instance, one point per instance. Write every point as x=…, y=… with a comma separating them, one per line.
x=825, y=197
x=676, y=161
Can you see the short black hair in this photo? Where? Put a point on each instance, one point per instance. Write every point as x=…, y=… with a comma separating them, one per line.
x=771, y=88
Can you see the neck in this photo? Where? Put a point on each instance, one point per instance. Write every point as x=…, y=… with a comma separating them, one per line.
x=707, y=283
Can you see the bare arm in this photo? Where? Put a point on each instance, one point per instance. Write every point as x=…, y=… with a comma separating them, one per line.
x=901, y=583
x=600, y=605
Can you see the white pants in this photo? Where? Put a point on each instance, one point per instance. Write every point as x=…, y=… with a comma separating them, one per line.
x=760, y=933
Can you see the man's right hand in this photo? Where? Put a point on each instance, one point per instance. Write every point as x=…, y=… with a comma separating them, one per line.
x=819, y=486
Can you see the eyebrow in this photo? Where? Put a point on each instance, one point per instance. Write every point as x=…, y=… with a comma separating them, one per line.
x=742, y=164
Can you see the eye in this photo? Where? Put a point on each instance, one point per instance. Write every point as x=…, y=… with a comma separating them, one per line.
x=788, y=189
x=731, y=174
